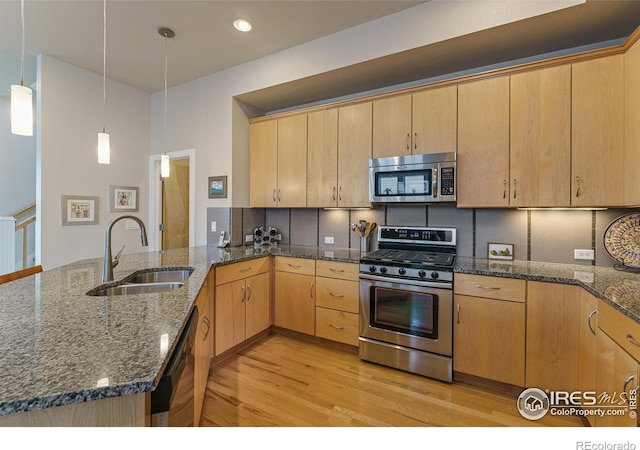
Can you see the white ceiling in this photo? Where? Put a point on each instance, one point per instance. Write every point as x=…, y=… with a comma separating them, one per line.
x=205, y=41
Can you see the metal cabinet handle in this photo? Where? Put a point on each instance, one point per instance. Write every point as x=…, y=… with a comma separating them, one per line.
x=408, y=141
x=334, y=193
x=336, y=327
x=591, y=314
x=632, y=340
x=243, y=294
x=577, y=186
x=278, y=194
x=340, y=193
x=515, y=189
x=206, y=321
x=295, y=266
x=415, y=140
x=249, y=291
x=626, y=382
x=488, y=288
x=274, y=195
x=336, y=270
x=311, y=290
x=458, y=314
x=336, y=295
x=245, y=270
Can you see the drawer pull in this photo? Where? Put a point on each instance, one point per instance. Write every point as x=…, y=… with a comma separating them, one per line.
x=632, y=340
x=336, y=295
x=487, y=288
x=245, y=270
x=593, y=313
x=336, y=327
x=336, y=270
x=295, y=266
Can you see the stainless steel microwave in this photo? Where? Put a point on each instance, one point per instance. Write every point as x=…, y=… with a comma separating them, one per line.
x=413, y=179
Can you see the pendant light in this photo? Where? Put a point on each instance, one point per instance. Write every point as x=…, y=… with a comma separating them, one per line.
x=104, y=147
x=21, y=97
x=164, y=159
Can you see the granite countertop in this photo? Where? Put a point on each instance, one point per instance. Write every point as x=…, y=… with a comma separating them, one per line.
x=59, y=346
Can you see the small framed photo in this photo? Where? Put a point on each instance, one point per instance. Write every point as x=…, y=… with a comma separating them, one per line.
x=79, y=210
x=500, y=251
x=218, y=187
x=123, y=198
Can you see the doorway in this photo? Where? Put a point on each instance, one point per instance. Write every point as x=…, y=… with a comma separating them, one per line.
x=171, y=202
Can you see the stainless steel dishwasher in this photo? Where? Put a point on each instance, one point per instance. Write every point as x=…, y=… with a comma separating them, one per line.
x=172, y=402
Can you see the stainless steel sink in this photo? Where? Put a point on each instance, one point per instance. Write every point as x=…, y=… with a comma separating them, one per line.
x=166, y=274
x=136, y=288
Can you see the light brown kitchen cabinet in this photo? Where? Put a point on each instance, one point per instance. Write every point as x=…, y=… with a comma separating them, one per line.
x=278, y=151
x=597, y=132
x=203, y=347
x=540, y=138
x=337, y=292
x=489, y=328
x=553, y=336
x=322, y=159
x=295, y=294
x=354, y=153
x=483, y=143
x=242, y=302
x=588, y=351
x=631, y=128
x=419, y=123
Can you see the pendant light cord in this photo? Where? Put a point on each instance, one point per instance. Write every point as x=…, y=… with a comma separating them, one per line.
x=104, y=66
x=23, y=39
x=165, y=83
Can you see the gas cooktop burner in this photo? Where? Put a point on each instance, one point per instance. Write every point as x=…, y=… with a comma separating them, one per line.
x=411, y=257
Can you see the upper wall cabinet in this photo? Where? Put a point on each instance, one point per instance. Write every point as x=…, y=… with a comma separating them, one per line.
x=483, y=143
x=597, y=132
x=540, y=150
x=354, y=152
x=278, y=152
x=425, y=122
x=631, y=128
x=322, y=159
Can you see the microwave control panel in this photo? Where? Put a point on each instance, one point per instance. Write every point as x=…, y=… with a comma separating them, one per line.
x=447, y=183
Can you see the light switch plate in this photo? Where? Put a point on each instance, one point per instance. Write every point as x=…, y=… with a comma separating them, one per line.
x=213, y=226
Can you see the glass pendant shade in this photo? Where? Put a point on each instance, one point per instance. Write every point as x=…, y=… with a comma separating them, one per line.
x=104, y=149
x=21, y=110
x=164, y=166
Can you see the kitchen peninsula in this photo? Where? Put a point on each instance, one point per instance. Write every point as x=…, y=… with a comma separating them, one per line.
x=62, y=348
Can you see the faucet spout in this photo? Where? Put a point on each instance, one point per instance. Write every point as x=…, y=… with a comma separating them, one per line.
x=109, y=262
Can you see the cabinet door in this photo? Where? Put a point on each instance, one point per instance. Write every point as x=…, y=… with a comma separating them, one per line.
x=292, y=161
x=258, y=305
x=540, y=138
x=263, y=164
x=631, y=128
x=322, y=159
x=435, y=121
x=203, y=346
x=553, y=336
x=483, y=143
x=294, y=302
x=588, y=355
x=597, y=132
x=616, y=376
x=354, y=152
x=392, y=126
x=488, y=338
x=230, y=315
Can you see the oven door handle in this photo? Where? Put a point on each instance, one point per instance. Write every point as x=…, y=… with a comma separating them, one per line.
x=431, y=284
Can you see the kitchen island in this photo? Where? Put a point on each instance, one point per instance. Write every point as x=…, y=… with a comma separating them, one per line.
x=62, y=348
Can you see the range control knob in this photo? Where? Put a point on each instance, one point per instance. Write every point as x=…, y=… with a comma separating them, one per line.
x=435, y=275
x=383, y=270
x=422, y=274
x=402, y=271
x=372, y=269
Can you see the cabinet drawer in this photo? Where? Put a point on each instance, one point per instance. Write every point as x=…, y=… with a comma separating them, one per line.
x=244, y=269
x=341, y=270
x=295, y=265
x=337, y=326
x=337, y=294
x=624, y=331
x=490, y=287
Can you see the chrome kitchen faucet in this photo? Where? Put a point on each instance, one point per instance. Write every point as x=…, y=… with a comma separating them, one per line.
x=109, y=261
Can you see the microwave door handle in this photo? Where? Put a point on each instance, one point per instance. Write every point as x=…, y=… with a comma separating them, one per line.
x=434, y=182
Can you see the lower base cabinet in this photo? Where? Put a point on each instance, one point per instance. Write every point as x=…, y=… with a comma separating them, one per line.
x=203, y=347
x=295, y=294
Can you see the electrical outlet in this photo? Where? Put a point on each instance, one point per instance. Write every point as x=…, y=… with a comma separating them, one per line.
x=328, y=239
x=248, y=237
x=583, y=254
x=213, y=226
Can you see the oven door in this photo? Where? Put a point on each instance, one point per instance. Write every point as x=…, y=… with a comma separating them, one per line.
x=414, y=314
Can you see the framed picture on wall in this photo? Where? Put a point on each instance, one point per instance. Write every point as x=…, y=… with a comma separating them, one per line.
x=500, y=251
x=79, y=210
x=218, y=187
x=123, y=198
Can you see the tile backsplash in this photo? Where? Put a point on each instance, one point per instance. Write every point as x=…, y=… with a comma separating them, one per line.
x=546, y=236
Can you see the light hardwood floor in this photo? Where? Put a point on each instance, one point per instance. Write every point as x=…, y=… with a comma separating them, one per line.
x=282, y=381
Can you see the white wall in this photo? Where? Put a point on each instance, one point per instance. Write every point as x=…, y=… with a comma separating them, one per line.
x=70, y=115
x=201, y=114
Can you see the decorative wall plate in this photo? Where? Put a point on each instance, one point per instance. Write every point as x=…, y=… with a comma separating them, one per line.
x=622, y=240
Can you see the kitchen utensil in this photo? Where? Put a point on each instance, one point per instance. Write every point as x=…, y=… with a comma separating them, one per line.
x=373, y=227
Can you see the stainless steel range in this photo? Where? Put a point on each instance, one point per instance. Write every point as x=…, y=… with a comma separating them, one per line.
x=406, y=300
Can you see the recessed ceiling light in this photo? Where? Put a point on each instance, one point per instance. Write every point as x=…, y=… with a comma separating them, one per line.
x=242, y=25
